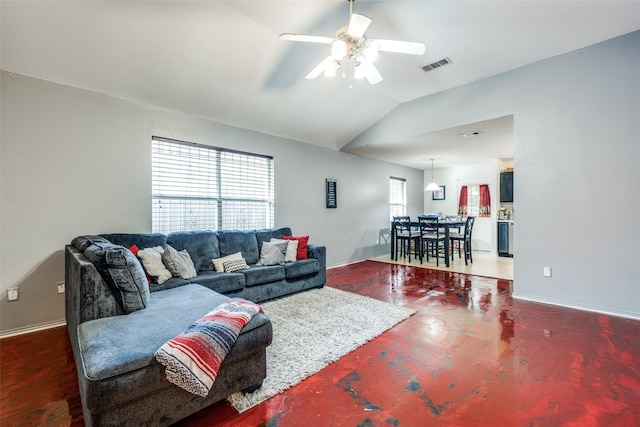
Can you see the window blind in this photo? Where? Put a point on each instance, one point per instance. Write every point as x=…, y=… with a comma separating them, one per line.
x=397, y=197
x=199, y=187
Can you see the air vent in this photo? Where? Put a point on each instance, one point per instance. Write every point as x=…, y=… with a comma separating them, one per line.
x=471, y=134
x=437, y=64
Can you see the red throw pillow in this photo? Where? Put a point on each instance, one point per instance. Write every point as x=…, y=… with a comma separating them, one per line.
x=302, y=245
x=134, y=250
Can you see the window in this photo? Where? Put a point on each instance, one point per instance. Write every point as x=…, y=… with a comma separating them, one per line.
x=198, y=187
x=397, y=197
x=473, y=200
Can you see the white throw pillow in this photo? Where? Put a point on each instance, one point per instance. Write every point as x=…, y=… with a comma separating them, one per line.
x=152, y=261
x=218, y=263
x=292, y=249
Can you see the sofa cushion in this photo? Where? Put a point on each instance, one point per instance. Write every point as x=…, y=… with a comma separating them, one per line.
x=301, y=268
x=81, y=243
x=193, y=358
x=178, y=263
x=220, y=282
x=271, y=233
x=174, y=282
x=117, y=352
x=141, y=240
x=201, y=245
x=233, y=241
x=259, y=275
x=122, y=272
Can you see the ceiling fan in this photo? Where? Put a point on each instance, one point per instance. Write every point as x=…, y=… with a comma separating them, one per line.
x=351, y=46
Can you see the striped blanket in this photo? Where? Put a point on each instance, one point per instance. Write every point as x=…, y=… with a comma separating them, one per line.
x=193, y=358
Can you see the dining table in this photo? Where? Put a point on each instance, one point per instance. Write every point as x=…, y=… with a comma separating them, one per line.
x=445, y=224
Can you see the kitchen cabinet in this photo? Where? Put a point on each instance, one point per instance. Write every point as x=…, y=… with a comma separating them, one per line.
x=506, y=186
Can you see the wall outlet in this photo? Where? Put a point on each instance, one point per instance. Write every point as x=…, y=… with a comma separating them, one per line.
x=60, y=286
x=546, y=271
x=13, y=294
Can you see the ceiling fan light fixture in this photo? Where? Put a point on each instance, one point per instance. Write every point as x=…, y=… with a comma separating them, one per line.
x=338, y=49
x=351, y=46
x=365, y=68
x=331, y=68
x=370, y=51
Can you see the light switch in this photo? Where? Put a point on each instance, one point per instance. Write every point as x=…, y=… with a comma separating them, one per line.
x=13, y=294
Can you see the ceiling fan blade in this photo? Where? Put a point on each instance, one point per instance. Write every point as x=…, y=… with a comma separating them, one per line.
x=370, y=72
x=412, y=48
x=320, y=68
x=303, y=38
x=358, y=24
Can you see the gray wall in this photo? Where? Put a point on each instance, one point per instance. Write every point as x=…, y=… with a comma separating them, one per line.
x=576, y=157
x=75, y=162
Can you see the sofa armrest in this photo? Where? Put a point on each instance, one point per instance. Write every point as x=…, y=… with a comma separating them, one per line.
x=320, y=253
x=87, y=296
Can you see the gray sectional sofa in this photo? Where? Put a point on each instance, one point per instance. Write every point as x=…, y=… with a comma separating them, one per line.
x=116, y=321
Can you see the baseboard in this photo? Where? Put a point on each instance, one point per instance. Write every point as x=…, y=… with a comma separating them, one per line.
x=598, y=310
x=346, y=263
x=33, y=328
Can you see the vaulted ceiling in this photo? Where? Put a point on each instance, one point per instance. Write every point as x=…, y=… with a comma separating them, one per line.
x=223, y=60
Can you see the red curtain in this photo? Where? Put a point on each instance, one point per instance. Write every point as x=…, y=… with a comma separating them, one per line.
x=485, y=201
x=462, y=202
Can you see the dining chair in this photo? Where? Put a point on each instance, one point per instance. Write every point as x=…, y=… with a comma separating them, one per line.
x=463, y=240
x=431, y=238
x=454, y=218
x=405, y=236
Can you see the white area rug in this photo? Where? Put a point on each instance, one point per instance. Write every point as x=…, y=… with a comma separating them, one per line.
x=312, y=329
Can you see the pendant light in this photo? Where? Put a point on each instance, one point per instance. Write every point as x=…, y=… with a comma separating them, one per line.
x=432, y=185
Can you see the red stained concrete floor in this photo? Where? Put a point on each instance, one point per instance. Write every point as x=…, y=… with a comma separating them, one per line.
x=470, y=356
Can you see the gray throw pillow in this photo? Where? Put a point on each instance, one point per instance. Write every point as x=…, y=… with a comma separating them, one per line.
x=272, y=253
x=179, y=264
x=291, y=249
